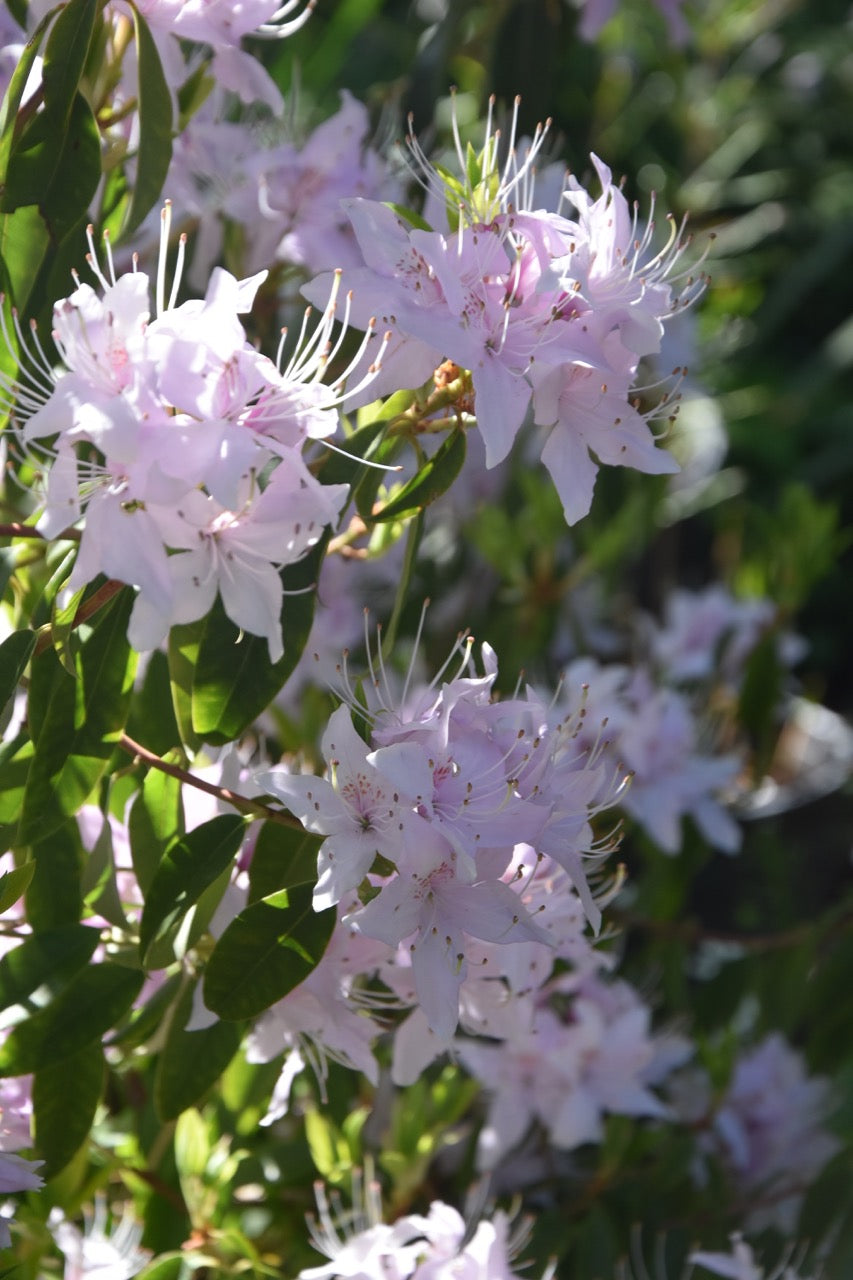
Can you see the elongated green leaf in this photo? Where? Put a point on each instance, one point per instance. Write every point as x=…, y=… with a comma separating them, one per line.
x=91, y=1003
x=65, y=57
x=154, y=154
x=49, y=164
x=54, y=897
x=168, y=1266
x=16, y=756
x=24, y=244
x=15, y=92
x=52, y=957
x=190, y=864
x=65, y=1099
x=62, y=629
x=234, y=680
x=98, y=882
x=268, y=950
x=183, y=650
x=15, y=652
x=152, y=719
x=434, y=478
x=282, y=858
x=156, y=817
x=58, y=152
x=347, y=467
x=14, y=883
x=78, y=721
x=366, y=486
x=191, y=1061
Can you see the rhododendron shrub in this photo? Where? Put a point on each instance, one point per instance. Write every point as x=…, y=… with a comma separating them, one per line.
x=383, y=874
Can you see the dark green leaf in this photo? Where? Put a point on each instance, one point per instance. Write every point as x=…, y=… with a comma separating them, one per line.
x=362, y=444
x=91, y=1003
x=190, y=864
x=366, y=486
x=282, y=858
x=15, y=652
x=65, y=58
x=51, y=957
x=268, y=950
x=154, y=154
x=65, y=1099
x=759, y=699
x=434, y=478
x=234, y=680
x=15, y=92
x=54, y=897
x=99, y=885
x=78, y=721
x=152, y=719
x=191, y=1061
x=14, y=883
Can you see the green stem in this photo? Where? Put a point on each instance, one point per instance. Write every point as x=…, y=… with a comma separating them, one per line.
x=413, y=539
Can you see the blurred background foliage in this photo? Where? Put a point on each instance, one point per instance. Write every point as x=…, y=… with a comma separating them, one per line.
x=747, y=125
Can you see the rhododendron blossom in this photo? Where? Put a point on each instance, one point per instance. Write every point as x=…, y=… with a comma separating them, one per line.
x=180, y=445
x=545, y=311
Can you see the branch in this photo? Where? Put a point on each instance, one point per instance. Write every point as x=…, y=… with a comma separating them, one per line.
x=252, y=808
x=88, y=607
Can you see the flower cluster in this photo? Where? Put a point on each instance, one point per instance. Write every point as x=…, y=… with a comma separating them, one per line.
x=181, y=444
x=437, y=1246
x=544, y=310
x=431, y=811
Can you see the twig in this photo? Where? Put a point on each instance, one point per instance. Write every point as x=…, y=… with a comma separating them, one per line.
x=252, y=808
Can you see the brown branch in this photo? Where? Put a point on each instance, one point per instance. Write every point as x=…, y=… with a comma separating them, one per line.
x=252, y=808
x=85, y=611
x=15, y=529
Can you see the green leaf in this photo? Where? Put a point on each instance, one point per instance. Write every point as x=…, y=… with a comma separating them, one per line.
x=154, y=153
x=79, y=721
x=234, y=680
x=362, y=444
x=24, y=243
x=156, y=818
x=65, y=58
x=65, y=1099
x=15, y=653
x=190, y=864
x=409, y=216
x=54, y=897
x=283, y=857
x=15, y=92
x=434, y=478
x=13, y=884
x=91, y=1003
x=152, y=718
x=183, y=647
x=268, y=950
x=16, y=756
x=191, y=1061
x=62, y=629
x=98, y=883
x=50, y=957
x=52, y=161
